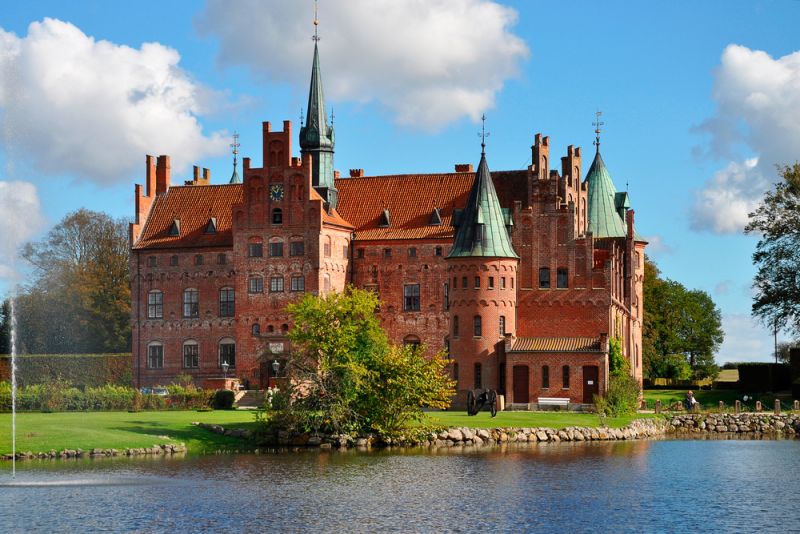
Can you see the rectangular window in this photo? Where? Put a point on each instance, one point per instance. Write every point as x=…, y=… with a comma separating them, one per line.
x=155, y=357
x=545, y=377
x=455, y=282
x=544, y=278
x=227, y=354
x=297, y=248
x=359, y=253
x=255, y=284
x=255, y=250
x=455, y=326
x=502, y=282
x=412, y=252
x=276, y=249
x=477, y=282
x=191, y=356
x=411, y=297
x=155, y=305
x=198, y=259
x=562, y=279
x=477, y=326
x=463, y=282
x=226, y=302
x=191, y=305
x=565, y=377
x=446, y=296
x=326, y=250
x=151, y=261
x=491, y=282
x=478, y=376
x=298, y=283
x=276, y=284
x=222, y=259
x=438, y=251
x=502, y=325
x=173, y=261
x=387, y=253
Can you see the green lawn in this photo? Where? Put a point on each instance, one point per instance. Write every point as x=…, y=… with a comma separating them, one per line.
x=709, y=399
x=39, y=432
x=522, y=419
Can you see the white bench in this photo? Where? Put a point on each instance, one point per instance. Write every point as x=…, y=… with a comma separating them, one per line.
x=559, y=402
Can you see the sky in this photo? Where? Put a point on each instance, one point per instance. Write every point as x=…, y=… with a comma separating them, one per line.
x=700, y=100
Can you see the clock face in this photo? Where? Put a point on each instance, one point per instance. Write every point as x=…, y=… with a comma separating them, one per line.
x=276, y=192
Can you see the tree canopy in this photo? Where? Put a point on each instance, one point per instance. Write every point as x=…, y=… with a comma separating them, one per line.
x=777, y=257
x=345, y=376
x=78, y=299
x=678, y=321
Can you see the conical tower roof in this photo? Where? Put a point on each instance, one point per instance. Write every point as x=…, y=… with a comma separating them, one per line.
x=482, y=225
x=604, y=218
x=316, y=133
x=235, y=177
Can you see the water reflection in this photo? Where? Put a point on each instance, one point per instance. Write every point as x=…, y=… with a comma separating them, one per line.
x=621, y=486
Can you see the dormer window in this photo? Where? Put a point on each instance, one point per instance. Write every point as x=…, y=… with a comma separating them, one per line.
x=436, y=218
x=211, y=227
x=385, y=220
x=175, y=228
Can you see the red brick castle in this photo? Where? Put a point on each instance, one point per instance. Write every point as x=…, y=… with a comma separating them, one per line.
x=522, y=275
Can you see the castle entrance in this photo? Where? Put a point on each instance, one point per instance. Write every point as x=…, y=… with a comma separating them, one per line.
x=590, y=385
x=521, y=384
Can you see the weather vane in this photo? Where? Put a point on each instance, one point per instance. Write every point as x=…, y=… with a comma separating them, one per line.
x=597, y=124
x=484, y=134
x=316, y=22
x=332, y=115
x=235, y=146
x=301, y=117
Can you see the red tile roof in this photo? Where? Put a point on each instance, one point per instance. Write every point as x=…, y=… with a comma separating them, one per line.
x=556, y=344
x=410, y=200
x=193, y=206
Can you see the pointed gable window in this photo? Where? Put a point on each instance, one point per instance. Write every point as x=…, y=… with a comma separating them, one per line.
x=385, y=220
x=211, y=227
x=175, y=228
x=436, y=218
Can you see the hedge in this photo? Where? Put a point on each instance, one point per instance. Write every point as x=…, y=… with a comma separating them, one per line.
x=759, y=376
x=82, y=370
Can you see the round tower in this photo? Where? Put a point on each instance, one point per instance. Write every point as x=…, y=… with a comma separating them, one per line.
x=482, y=273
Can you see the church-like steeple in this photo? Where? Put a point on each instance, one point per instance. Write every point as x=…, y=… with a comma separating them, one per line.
x=316, y=135
x=482, y=225
x=235, y=146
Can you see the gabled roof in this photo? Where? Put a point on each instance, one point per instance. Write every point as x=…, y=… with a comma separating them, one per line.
x=604, y=218
x=482, y=225
x=556, y=344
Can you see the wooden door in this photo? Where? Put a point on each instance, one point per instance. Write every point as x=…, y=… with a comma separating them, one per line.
x=520, y=384
x=590, y=383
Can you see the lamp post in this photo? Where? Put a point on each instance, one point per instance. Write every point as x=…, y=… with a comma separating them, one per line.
x=276, y=365
x=225, y=366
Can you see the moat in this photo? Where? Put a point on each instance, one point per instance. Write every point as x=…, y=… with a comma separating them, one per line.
x=637, y=486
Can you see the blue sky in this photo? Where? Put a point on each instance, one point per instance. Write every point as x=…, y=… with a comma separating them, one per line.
x=700, y=101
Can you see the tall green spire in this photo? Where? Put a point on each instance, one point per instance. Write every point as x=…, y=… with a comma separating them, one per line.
x=604, y=216
x=316, y=135
x=482, y=225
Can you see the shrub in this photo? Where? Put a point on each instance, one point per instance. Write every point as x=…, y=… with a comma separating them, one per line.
x=223, y=399
x=622, y=397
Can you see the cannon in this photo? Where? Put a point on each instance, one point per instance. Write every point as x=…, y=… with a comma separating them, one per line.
x=478, y=399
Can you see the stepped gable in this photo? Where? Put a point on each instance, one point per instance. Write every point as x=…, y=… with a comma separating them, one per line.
x=410, y=200
x=193, y=206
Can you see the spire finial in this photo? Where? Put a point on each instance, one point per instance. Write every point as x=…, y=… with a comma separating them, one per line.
x=332, y=115
x=235, y=146
x=484, y=134
x=316, y=22
x=301, y=117
x=597, y=124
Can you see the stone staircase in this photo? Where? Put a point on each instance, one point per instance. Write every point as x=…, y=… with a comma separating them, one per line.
x=250, y=399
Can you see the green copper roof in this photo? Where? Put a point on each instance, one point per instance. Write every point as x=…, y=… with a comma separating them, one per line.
x=316, y=133
x=235, y=177
x=482, y=225
x=605, y=204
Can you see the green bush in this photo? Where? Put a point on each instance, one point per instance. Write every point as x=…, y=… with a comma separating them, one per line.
x=85, y=370
x=622, y=397
x=223, y=399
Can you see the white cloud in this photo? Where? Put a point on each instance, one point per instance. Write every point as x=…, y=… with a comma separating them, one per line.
x=745, y=340
x=428, y=62
x=722, y=288
x=656, y=246
x=20, y=219
x=93, y=109
x=758, y=106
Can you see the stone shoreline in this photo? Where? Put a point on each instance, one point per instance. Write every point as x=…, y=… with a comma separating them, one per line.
x=747, y=425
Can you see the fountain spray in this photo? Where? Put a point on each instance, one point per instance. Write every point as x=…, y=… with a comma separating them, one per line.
x=13, y=389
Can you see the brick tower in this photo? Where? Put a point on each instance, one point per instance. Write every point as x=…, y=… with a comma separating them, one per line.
x=482, y=268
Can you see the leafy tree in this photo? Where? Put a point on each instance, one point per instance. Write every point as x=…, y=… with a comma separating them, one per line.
x=777, y=255
x=344, y=376
x=79, y=298
x=5, y=327
x=678, y=321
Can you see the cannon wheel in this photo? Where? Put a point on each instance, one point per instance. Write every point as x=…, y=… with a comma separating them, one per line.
x=493, y=402
x=470, y=402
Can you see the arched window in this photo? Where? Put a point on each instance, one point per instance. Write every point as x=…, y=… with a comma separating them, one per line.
x=411, y=340
x=562, y=278
x=155, y=304
x=226, y=302
x=191, y=354
x=276, y=247
x=255, y=329
x=502, y=325
x=191, y=304
x=326, y=283
x=270, y=329
x=477, y=327
x=227, y=352
x=255, y=284
x=284, y=328
x=155, y=355
x=545, y=377
x=326, y=247
x=255, y=248
x=544, y=278
x=277, y=216
x=455, y=326
x=565, y=377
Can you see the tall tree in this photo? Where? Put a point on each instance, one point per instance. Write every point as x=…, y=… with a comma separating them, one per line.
x=5, y=327
x=777, y=255
x=79, y=298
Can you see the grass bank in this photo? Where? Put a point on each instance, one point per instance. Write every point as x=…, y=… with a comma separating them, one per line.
x=522, y=419
x=40, y=432
x=708, y=398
